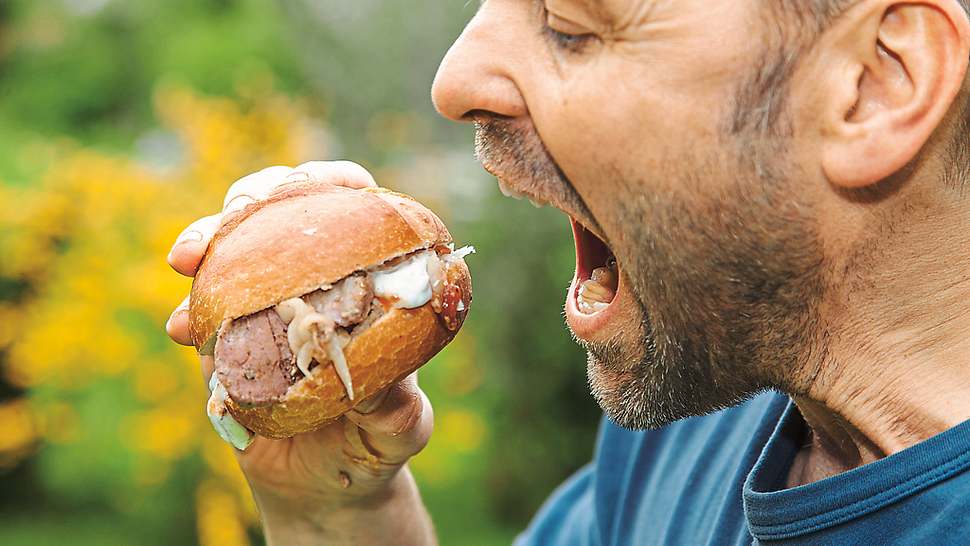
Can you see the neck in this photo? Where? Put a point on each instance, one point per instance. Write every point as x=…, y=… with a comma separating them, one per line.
x=896, y=370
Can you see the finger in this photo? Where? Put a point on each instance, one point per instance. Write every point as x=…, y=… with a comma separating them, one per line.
x=400, y=426
x=253, y=187
x=208, y=364
x=189, y=247
x=177, y=326
x=339, y=173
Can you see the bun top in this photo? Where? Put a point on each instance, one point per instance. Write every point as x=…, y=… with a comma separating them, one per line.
x=301, y=238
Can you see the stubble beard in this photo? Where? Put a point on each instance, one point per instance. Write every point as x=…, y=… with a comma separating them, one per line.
x=728, y=287
x=727, y=283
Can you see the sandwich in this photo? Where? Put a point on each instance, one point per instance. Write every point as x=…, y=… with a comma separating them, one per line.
x=317, y=298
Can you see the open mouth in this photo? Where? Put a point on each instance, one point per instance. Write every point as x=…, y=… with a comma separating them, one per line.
x=597, y=294
x=597, y=275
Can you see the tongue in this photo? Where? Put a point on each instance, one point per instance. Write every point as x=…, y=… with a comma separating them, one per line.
x=596, y=293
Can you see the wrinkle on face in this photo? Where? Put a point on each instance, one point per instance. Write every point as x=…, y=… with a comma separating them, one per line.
x=584, y=11
x=627, y=14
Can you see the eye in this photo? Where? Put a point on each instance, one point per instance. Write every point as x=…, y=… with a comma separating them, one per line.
x=566, y=35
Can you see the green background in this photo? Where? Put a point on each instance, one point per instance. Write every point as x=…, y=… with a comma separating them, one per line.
x=84, y=77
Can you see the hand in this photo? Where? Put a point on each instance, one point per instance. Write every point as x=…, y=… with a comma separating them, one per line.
x=316, y=484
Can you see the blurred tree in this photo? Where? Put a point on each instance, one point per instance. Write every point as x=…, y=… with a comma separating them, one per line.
x=105, y=153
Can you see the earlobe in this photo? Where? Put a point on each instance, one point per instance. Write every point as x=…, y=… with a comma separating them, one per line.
x=903, y=65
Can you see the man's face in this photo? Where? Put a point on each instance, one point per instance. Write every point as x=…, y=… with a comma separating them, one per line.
x=661, y=128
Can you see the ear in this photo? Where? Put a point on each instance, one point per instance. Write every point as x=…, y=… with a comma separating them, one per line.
x=894, y=69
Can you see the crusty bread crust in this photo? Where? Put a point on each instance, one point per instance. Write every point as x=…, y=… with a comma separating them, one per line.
x=301, y=238
x=312, y=235
x=400, y=342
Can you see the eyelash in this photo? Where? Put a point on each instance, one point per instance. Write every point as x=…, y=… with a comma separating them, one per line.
x=573, y=43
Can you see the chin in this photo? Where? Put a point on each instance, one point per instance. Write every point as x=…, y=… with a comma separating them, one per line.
x=623, y=398
x=625, y=377
x=637, y=388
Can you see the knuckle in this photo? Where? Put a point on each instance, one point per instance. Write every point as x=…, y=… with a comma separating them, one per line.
x=350, y=165
x=255, y=186
x=354, y=172
x=423, y=435
x=274, y=171
x=407, y=418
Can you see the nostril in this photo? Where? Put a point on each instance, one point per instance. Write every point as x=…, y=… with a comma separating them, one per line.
x=478, y=115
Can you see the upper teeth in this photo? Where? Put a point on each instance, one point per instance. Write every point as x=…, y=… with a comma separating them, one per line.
x=515, y=194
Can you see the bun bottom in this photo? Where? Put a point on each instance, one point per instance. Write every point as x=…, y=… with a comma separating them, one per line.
x=398, y=343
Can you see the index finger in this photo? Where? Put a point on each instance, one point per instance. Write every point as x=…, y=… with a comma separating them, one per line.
x=191, y=244
x=338, y=173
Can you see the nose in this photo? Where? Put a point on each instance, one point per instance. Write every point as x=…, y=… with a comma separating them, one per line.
x=477, y=74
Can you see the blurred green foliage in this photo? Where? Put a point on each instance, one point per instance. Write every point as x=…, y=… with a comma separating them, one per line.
x=96, y=81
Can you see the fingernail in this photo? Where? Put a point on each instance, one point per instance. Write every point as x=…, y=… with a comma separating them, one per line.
x=189, y=236
x=193, y=236
x=178, y=311
x=296, y=177
x=238, y=202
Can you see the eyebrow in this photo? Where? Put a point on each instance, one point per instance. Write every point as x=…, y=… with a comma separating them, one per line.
x=594, y=7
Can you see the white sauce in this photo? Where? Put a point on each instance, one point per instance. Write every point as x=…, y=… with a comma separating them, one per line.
x=407, y=284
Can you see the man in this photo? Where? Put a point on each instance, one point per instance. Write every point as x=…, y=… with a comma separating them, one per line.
x=766, y=194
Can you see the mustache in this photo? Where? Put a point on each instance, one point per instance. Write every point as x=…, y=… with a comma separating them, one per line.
x=514, y=153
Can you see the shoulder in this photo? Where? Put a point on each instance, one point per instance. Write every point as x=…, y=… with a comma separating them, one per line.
x=635, y=473
x=724, y=445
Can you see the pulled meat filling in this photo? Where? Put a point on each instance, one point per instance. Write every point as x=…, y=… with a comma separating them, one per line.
x=254, y=358
x=260, y=356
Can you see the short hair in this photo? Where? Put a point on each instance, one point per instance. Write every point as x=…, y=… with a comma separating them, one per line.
x=823, y=12
x=794, y=26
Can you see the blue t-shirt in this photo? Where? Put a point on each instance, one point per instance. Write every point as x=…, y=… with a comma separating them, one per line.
x=720, y=479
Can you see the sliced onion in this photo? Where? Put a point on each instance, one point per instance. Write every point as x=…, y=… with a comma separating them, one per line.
x=304, y=357
x=287, y=309
x=294, y=337
x=435, y=273
x=460, y=253
x=336, y=354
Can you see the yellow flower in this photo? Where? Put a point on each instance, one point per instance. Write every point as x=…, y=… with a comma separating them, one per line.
x=218, y=517
x=461, y=429
x=87, y=242
x=18, y=432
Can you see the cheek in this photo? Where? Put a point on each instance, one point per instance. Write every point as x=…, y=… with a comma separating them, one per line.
x=600, y=131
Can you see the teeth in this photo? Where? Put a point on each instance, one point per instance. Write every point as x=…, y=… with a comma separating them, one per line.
x=505, y=191
x=596, y=293
x=509, y=192
x=591, y=308
x=515, y=194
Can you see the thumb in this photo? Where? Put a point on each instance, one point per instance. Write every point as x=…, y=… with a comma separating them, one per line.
x=400, y=425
